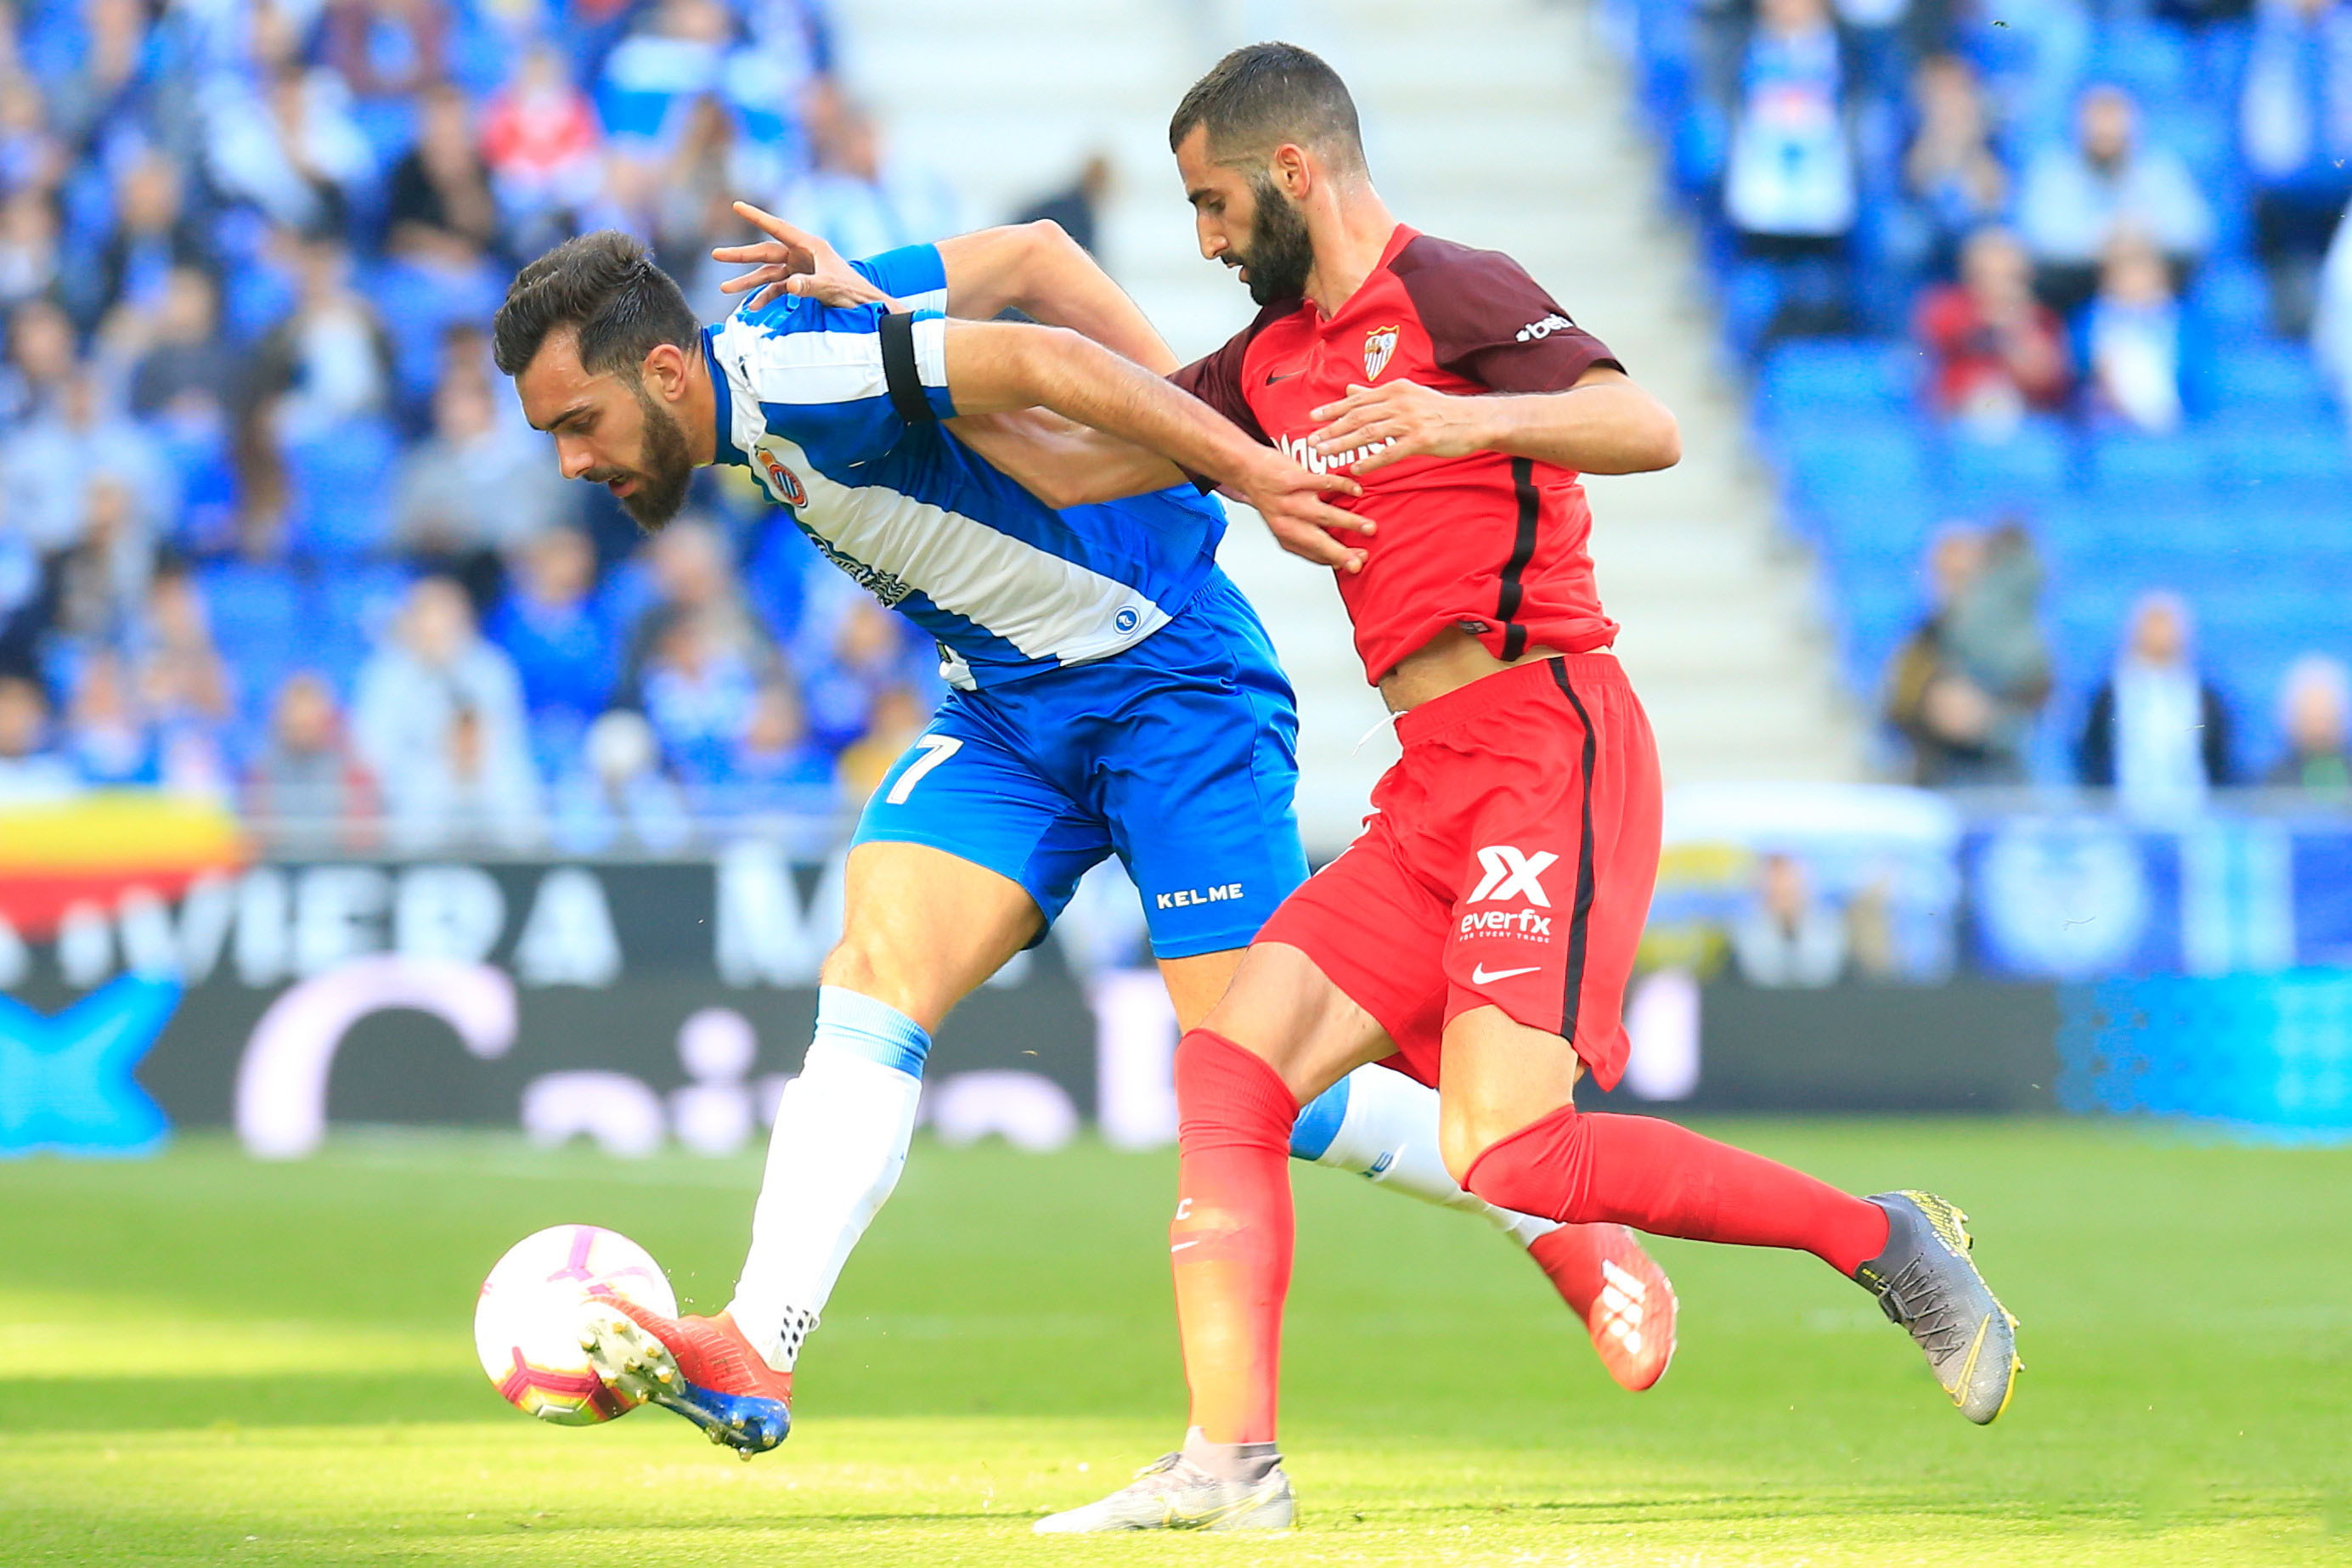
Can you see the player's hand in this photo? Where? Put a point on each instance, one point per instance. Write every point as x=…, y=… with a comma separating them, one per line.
x=1291, y=500
x=792, y=261
x=1404, y=419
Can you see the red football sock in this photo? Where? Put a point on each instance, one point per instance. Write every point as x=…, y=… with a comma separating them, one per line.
x=1669, y=1181
x=1230, y=1242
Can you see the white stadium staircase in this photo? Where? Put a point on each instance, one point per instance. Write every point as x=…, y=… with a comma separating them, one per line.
x=1501, y=123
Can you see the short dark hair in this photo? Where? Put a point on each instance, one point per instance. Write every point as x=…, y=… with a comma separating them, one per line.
x=606, y=287
x=1262, y=95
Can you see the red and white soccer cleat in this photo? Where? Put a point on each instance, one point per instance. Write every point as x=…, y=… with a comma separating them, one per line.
x=702, y=1368
x=1625, y=1297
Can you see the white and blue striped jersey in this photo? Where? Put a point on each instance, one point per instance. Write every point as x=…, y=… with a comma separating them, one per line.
x=1008, y=586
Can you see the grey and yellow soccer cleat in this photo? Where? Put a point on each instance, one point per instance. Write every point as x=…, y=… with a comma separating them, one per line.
x=1174, y=1493
x=1925, y=1282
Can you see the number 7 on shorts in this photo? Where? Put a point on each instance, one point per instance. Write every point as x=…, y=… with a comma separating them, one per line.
x=940, y=747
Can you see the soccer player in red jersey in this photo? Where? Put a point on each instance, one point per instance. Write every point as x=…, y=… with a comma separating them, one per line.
x=1480, y=932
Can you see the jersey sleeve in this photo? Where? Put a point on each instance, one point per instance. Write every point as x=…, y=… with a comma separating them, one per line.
x=1217, y=382
x=842, y=385
x=1490, y=323
x=913, y=275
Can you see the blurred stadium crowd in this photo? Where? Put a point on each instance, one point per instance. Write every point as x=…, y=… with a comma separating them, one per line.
x=2049, y=305
x=2050, y=309
x=271, y=528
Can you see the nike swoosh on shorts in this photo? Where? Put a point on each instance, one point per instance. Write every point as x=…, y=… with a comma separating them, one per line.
x=1479, y=976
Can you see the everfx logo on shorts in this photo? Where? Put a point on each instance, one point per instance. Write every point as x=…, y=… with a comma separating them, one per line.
x=1506, y=873
x=1507, y=922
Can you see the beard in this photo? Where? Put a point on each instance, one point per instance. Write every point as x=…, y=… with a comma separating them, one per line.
x=1279, y=254
x=669, y=469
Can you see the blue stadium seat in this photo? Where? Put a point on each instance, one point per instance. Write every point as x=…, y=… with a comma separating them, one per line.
x=2121, y=462
x=427, y=302
x=198, y=452
x=2171, y=532
x=626, y=593
x=1806, y=378
x=2076, y=523
x=776, y=577
x=2309, y=518
x=2022, y=471
x=2205, y=136
x=388, y=123
x=1853, y=451
x=2152, y=58
x=248, y=601
x=258, y=623
x=1872, y=618
x=2258, y=451
x=2233, y=299
x=341, y=485
x=1877, y=531
x=1751, y=293
x=2085, y=628
x=262, y=298
x=2267, y=376
x=2219, y=49
x=351, y=610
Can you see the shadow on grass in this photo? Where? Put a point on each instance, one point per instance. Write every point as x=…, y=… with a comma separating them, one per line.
x=279, y=1399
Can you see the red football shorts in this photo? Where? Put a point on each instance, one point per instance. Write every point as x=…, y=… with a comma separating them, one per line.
x=1509, y=862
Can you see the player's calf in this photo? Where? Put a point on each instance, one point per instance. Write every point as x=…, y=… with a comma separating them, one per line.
x=702, y=1368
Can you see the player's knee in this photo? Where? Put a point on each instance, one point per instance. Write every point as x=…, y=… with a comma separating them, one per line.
x=1459, y=1147
x=862, y=966
x=1539, y=1169
x=848, y=965
x=1466, y=1129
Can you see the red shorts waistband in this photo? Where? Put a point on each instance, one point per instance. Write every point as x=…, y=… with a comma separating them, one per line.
x=1505, y=689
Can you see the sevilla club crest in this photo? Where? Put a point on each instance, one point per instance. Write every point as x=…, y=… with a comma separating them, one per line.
x=1379, y=347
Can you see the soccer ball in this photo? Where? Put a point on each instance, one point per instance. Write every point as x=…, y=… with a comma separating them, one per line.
x=534, y=1306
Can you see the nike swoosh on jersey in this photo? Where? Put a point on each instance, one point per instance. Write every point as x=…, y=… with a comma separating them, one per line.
x=1479, y=976
x=1274, y=376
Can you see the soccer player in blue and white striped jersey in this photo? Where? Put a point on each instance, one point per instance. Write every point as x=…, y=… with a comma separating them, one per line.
x=1112, y=693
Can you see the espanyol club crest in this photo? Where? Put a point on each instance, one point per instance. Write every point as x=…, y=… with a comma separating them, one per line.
x=783, y=483
x=1379, y=347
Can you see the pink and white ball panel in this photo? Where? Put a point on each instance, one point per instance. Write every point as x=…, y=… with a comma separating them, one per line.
x=534, y=1306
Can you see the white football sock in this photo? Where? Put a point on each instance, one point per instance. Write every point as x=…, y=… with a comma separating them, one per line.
x=1383, y=1125
x=839, y=1142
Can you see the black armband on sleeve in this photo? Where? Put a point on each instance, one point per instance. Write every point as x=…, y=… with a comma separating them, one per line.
x=898, y=372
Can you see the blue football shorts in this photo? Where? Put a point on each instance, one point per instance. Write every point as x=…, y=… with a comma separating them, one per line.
x=1179, y=756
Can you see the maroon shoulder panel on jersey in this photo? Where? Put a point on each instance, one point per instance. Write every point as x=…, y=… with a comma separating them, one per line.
x=1490, y=323
x=1217, y=380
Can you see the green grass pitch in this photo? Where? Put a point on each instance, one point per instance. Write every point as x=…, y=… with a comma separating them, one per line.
x=213, y=1361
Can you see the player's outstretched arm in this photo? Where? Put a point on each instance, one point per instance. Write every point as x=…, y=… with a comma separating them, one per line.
x=1039, y=270
x=1035, y=268
x=1605, y=423
x=998, y=366
x=1062, y=462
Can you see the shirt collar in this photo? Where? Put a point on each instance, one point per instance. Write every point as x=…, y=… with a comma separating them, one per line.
x=1399, y=237
x=724, y=449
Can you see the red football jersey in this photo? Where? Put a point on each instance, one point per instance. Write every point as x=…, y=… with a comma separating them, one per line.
x=1494, y=544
